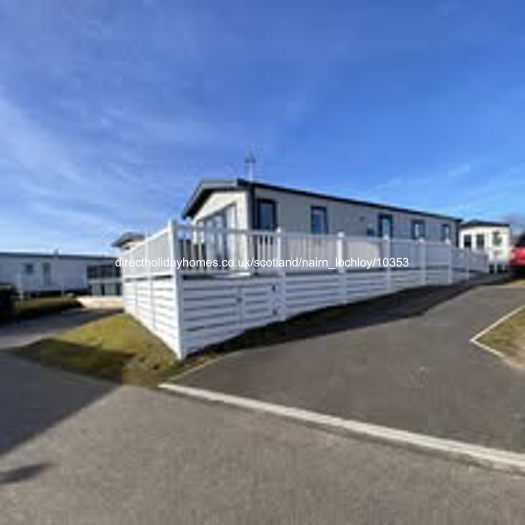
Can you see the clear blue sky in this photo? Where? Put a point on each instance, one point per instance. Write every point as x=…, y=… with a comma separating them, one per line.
x=111, y=111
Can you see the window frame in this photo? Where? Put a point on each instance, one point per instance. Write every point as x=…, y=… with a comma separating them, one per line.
x=497, y=239
x=468, y=245
x=273, y=203
x=324, y=210
x=380, y=218
x=483, y=244
x=444, y=237
x=422, y=224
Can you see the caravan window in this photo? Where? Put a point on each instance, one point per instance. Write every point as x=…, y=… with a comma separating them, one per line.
x=386, y=225
x=418, y=229
x=480, y=241
x=497, y=238
x=266, y=214
x=318, y=219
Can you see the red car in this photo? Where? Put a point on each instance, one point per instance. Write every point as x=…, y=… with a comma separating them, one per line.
x=517, y=255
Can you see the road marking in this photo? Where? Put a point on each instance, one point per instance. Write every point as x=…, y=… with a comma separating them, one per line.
x=476, y=339
x=450, y=449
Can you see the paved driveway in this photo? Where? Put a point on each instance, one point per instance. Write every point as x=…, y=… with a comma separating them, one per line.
x=78, y=451
x=406, y=364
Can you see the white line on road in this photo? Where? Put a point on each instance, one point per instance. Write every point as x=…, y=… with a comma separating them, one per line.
x=497, y=322
x=476, y=339
x=496, y=459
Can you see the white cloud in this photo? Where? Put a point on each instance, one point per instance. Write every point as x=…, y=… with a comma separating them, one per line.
x=26, y=145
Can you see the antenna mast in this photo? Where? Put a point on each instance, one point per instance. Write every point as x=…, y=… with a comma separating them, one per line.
x=249, y=163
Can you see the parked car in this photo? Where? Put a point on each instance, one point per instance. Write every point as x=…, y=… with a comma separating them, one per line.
x=517, y=256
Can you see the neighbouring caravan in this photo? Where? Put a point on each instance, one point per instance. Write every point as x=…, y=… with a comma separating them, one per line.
x=492, y=238
x=42, y=273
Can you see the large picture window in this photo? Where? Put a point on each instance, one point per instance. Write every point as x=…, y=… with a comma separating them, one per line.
x=217, y=244
x=318, y=220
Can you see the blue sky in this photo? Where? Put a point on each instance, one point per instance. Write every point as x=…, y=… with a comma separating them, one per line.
x=111, y=111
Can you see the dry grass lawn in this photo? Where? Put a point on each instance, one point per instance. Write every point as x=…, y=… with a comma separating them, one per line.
x=117, y=348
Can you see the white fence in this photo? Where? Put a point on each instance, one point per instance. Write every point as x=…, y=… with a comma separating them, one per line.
x=226, y=281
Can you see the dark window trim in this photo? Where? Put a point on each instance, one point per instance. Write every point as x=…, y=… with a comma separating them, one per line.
x=323, y=209
x=420, y=222
x=483, y=244
x=469, y=237
x=251, y=199
x=443, y=236
x=496, y=238
x=380, y=218
x=257, y=211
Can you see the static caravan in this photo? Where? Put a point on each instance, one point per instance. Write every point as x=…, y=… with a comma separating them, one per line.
x=492, y=238
x=41, y=273
x=243, y=204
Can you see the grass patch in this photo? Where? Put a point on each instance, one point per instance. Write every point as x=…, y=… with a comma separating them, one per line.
x=117, y=348
x=508, y=338
x=34, y=307
x=516, y=282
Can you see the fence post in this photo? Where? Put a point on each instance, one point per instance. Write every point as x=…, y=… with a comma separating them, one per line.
x=386, y=255
x=150, y=282
x=135, y=297
x=173, y=238
x=281, y=272
x=249, y=251
x=340, y=265
x=450, y=268
x=423, y=260
x=467, y=265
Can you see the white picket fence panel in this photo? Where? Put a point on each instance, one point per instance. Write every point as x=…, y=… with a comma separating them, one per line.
x=193, y=306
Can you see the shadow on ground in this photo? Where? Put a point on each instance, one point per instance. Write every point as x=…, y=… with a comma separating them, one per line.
x=402, y=361
x=25, y=331
x=401, y=305
x=21, y=474
x=34, y=398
